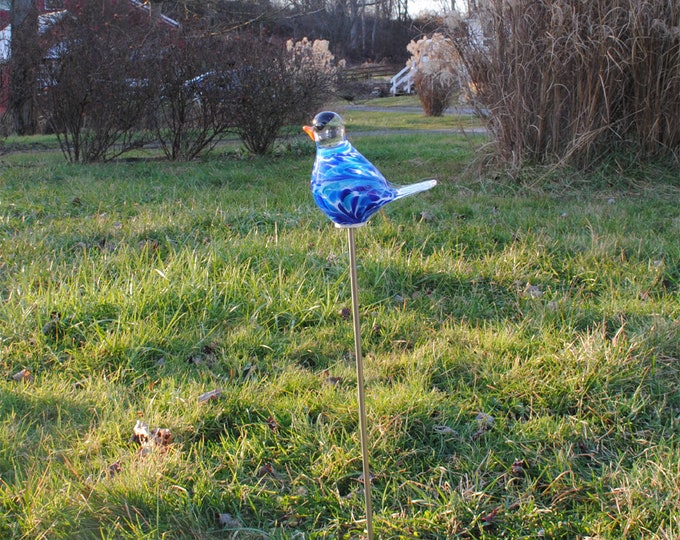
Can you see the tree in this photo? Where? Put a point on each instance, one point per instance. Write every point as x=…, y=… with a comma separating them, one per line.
x=356, y=29
x=24, y=65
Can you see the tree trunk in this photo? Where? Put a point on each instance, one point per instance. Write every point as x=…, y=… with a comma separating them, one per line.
x=24, y=65
x=354, y=25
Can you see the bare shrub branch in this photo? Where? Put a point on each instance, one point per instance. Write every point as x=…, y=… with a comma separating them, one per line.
x=95, y=88
x=277, y=85
x=192, y=83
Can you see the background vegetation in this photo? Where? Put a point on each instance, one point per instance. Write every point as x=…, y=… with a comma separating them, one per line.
x=575, y=81
x=521, y=339
x=565, y=82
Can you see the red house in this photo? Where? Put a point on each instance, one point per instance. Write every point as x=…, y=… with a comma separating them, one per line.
x=50, y=11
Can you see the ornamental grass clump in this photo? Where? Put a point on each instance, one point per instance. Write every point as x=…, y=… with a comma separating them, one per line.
x=575, y=81
x=436, y=66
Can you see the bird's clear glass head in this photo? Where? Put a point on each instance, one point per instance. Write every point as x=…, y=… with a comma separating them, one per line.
x=329, y=129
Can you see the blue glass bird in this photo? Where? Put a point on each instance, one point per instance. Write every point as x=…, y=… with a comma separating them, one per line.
x=347, y=187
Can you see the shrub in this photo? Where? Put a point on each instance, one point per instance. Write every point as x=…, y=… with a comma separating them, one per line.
x=95, y=88
x=436, y=65
x=276, y=85
x=192, y=94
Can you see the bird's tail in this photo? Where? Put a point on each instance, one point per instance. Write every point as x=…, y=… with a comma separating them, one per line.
x=411, y=189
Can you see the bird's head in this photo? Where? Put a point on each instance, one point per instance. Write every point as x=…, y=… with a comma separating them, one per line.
x=327, y=129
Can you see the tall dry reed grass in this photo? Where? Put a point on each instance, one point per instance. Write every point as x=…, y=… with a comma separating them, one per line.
x=575, y=81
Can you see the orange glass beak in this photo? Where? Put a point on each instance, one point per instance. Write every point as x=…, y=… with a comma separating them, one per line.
x=309, y=130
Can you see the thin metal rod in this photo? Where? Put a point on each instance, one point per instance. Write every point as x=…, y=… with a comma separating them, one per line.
x=360, y=382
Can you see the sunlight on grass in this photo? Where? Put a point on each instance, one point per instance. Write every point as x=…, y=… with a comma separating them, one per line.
x=521, y=343
x=372, y=120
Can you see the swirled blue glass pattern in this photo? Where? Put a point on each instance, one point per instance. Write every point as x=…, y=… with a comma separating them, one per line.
x=347, y=187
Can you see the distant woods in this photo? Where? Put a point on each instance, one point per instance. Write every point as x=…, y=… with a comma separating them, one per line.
x=357, y=29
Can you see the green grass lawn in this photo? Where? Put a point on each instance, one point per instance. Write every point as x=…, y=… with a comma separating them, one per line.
x=521, y=340
x=362, y=118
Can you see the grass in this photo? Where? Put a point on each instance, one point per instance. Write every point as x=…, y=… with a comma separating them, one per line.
x=365, y=118
x=521, y=343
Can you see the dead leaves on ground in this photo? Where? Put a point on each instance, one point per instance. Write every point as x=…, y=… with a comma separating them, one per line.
x=154, y=440
x=212, y=395
x=23, y=376
x=484, y=423
x=228, y=521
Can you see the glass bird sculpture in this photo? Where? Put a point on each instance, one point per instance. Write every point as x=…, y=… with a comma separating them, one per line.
x=347, y=187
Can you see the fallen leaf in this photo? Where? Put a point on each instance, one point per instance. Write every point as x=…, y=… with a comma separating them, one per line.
x=490, y=517
x=151, y=245
x=159, y=438
x=485, y=423
x=272, y=423
x=140, y=433
x=114, y=468
x=228, y=521
x=210, y=396
x=361, y=478
x=333, y=381
x=162, y=437
x=443, y=430
x=266, y=470
x=518, y=467
x=534, y=291
x=23, y=376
